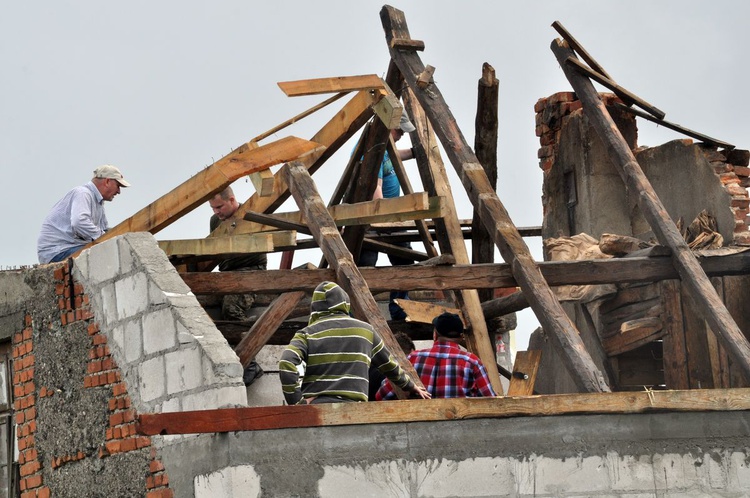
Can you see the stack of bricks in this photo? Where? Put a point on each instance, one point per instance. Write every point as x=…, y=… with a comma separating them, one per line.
x=730, y=165
x=102, y=371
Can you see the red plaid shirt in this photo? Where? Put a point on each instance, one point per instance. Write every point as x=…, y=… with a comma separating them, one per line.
x=447, y=371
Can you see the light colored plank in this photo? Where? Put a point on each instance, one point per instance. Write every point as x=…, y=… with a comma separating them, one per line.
x=254, y=243
x=331, y=85
x=263, y=182
x=525, y=370
x=419, y=312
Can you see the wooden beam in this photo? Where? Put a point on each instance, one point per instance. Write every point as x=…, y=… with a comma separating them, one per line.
x=579, y=48
x=626, y=95
x=265, y=326
x=450, y=236
x=693, y=277
x=263, y=182
x=299, y=116
x=633, y=334
x=676, y=127
x=525, y=370
x=331, y=85
x=342, y=126
x=261, y=242
x=347, y=274
x=485, y=146
x=434, y=410
x=481, y=276
x=548, y=310
x=208, y=182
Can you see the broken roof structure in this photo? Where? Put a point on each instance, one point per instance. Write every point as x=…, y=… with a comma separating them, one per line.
x=123, y=293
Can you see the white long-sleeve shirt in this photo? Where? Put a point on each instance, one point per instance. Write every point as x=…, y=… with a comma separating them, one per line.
x=74, y=221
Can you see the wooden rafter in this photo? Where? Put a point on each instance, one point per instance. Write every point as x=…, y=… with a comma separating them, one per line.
x=492, y=212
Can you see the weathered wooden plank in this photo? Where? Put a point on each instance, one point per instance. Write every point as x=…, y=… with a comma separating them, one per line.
x=266, y=325
x=406, y=187
x=525, y=370
x=736, y=290
x=485, y=146
x=412, y=206
x=676, y=127
x=676, y=374
x=284, y=417
x=450, y=237
x=457, y=277
x=693, y=277
x=209, y=181
x=330, y=85
x=492, y=212
x=579, y=49
x=634, y=334
x=347, y=274
x=626, y=95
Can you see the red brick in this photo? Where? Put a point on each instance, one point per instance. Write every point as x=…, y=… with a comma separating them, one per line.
x=112, y=446
x=43, y=492
x=540, y=105
x=30, y=413
x=93, y=328
x=156, y=466
x=128, y=445
x=100, y=339
x=119, y=389
x=33, y=481
x=160, y=493
x=20, y=418
x=143, y=441
x=29, y=468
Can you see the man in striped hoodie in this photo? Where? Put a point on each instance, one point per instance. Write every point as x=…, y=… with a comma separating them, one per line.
x=328, y=361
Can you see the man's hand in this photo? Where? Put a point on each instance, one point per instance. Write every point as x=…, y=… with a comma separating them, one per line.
x=422, y=392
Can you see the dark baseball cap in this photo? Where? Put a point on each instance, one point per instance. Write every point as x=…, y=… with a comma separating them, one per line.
x=448, y=325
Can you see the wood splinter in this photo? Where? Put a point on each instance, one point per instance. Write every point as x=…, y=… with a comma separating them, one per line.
x=425, y=77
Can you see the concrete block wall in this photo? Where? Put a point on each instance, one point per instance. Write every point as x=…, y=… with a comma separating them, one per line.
x=162, y=339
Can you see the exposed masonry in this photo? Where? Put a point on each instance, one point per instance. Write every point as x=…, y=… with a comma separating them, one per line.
x=75, y=423
x=731, y=166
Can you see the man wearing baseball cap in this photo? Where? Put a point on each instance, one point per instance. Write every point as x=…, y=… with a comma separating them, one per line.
x=78, y=218
x=446, y=370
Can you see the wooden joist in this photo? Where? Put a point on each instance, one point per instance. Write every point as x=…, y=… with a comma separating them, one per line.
x=434, y=410
x=525, y=370
x=263, y=182
x=331, y=85
x=694, y=279
x=548, y=310
x=335, y=251
x=419, y=312
x=481, y=276
x=261, y=242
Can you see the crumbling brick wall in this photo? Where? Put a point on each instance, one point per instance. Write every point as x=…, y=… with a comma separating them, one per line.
x=75, y=422
x=730, y=166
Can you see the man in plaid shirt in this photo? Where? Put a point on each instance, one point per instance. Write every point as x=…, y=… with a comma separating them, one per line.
x=446, y=370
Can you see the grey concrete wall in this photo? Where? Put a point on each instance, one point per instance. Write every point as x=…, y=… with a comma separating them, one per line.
x=666, y=455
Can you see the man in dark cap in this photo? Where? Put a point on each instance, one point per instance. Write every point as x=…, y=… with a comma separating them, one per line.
x=446, y=370
x=328, y=361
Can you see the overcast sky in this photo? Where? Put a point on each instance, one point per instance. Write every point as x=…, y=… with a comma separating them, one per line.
x=162, y=89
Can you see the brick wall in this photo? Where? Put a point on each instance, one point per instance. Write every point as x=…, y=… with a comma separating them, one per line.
x=43, y=459
x=731, y=166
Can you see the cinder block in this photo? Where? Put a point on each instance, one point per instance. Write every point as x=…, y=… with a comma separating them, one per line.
x=583, y=475
x=152, y=379
x=382, y=479
x=132, y=296
x=127, y=264
x=677, y=472
x=265, y=391
x=159, y=332
x=108, y=303
x=183, y=370
x=170, y=405
x=104, y=262
x=133, y=342
x=473, y=477
x=630, y=473
x=241, y=480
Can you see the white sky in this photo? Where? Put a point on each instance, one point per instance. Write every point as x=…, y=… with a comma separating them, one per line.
x=162, y=89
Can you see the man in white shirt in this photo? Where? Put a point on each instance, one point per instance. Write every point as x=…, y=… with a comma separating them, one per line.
x=78, y=218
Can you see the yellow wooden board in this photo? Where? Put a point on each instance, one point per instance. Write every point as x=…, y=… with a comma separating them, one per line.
x=331, y=85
